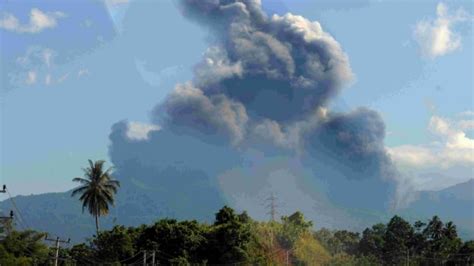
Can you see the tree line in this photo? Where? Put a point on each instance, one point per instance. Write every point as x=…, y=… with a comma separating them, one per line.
x=236, y=239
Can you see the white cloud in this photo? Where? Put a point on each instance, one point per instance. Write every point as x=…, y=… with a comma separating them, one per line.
x=37, y=56
x=47, y=56
x=439, y=125
x=38, y=64
x=82, y=72
x=436, y=37
x=413, y=155
x=87, y=23
x=31, y=78
x=420, y=156
x=454, y=137
x=38, y=21
x=47, y=79
x=63, y=78
x=116, y=2
x=140, y=131
x=466, y=125
x=467, y=113
x=452, y=152
x=157, y=78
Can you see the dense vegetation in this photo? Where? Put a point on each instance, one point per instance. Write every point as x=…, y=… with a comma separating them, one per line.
x=236, y=238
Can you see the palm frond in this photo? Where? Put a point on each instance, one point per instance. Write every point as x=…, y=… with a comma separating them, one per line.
x=78, y=190
x=99, y=165
x=107, y=172
x=81, y=180
x=91, y=164
x=98, y=188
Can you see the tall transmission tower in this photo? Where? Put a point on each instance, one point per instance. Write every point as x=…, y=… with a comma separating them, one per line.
x=271, y=206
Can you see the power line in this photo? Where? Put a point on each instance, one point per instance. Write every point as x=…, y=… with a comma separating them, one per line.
x=21, y=220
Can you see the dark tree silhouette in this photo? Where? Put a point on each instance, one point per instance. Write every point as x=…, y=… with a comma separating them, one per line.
x=97, y=190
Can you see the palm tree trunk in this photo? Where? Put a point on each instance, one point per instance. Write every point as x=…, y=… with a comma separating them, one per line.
x=97, y=225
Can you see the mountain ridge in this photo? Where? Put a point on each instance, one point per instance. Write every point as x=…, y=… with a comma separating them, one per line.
x=60, y=214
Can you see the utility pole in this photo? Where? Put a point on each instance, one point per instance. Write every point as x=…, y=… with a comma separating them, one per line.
x=408, y=257
x=57, y=241
x=144, y=258
x=10, y=217
x=7, y=222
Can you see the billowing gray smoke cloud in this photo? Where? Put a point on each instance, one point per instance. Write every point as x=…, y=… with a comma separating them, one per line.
x=257, y=103
x=279, y=67
x=348, y=149
x=353, y=140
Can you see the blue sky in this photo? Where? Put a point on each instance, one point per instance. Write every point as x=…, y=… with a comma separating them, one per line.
x=70, y=71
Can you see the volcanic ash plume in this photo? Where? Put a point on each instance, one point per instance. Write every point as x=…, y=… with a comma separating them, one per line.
x=254, y=120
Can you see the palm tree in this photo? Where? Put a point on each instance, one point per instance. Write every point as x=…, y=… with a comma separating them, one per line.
x=97, y=190
x=450, y=230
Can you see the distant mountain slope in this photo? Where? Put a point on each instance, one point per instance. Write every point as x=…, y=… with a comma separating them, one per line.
x=56, y=213
x=455, y=203
x=137, y=203
x=462, y=191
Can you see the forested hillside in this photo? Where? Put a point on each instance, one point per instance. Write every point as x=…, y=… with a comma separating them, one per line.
x=236, y=239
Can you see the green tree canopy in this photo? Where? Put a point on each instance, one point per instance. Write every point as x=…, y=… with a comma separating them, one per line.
x=97, y=190
x=23, y=248
x=397, y=239
x=293, y=227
